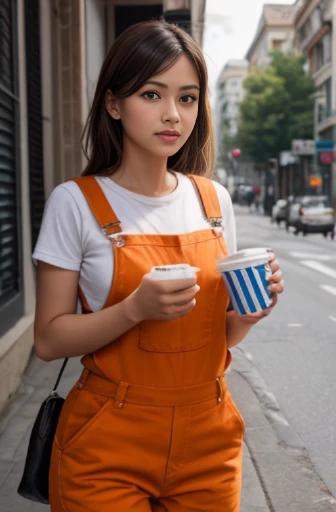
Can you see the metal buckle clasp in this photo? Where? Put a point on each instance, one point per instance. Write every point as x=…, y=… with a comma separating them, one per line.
x=215, y=222
x=106, y=227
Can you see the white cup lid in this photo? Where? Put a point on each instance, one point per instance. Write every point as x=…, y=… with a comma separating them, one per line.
x=244, y=259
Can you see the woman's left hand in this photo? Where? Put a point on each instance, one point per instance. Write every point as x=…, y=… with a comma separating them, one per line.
x=276, y=286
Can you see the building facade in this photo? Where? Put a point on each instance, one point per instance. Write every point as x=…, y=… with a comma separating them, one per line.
x=315, y=26
x=275, y=32
x=50, y=56
x=229, y=93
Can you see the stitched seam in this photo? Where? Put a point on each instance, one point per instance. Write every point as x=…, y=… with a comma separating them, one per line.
x=187, y=441
x=61, y=489
x=83, y=430
x=69, y=414
x=236, y=413
x=169, y=451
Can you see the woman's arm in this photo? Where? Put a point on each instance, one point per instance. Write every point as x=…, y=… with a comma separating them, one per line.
x=238, y=326
x=59, y=332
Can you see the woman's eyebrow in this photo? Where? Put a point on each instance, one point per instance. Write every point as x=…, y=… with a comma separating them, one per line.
x=165, y=86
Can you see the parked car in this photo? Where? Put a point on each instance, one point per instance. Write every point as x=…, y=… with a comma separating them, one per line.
x=312, y=214
x=290, y=218
x=279, y=211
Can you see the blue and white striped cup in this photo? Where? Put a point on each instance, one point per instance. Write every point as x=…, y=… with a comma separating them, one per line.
x=245, y=275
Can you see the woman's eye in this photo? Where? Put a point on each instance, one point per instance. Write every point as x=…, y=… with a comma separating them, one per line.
x=188, y=98
x=150, y=95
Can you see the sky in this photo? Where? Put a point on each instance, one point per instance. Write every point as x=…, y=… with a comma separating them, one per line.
x=230, y=26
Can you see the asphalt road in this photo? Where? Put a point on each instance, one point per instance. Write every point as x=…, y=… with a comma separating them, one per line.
x=294, y=349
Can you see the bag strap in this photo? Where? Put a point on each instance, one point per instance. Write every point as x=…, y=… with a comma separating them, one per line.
x=60, y=374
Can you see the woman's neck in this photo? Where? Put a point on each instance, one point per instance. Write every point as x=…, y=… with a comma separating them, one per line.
x=149, y=178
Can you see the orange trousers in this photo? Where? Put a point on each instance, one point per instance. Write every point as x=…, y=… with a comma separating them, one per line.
x=115, y=452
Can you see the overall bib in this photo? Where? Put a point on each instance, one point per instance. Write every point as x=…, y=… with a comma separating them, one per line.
x=150, y=425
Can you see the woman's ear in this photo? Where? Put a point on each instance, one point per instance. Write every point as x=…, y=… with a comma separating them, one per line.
x=112, y=105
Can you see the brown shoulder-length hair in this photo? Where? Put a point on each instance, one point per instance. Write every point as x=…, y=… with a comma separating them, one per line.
x=141, y=51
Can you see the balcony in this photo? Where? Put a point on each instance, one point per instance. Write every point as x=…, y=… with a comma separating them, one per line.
x=325, y=119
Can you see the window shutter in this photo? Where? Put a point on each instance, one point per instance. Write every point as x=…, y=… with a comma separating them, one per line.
x=34, y=101
x=9, y=230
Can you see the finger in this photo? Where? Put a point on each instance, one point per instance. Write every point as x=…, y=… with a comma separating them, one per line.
x=276, y=277
x=274, y=265
x=276, y=287
x=181, y=310
x=182, y=297
x=255, y=317
x=176, y=285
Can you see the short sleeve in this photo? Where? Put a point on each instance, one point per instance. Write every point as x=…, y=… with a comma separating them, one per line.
x=60, y=238
x=229, y=223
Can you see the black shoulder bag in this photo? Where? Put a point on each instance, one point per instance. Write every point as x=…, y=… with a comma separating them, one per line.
x=34, y=484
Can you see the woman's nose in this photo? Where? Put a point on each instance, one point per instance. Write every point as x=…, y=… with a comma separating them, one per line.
x=171, y=114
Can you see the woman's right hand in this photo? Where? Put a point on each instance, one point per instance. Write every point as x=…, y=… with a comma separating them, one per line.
x=162, y=300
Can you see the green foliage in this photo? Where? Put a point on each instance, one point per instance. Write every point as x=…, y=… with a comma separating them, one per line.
x=278, y=107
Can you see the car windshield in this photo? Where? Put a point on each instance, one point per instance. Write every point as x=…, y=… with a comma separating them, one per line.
x=315, y=202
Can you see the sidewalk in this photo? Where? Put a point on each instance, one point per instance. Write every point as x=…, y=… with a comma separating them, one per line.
x=275, y=478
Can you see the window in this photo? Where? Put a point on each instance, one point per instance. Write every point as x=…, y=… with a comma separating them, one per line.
x=277, y=45
x=326, y=41
x=316, y=20
x=11, y=297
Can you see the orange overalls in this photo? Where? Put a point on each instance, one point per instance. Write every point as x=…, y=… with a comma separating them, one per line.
x=151, y=425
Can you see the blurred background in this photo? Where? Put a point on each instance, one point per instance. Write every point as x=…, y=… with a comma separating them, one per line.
x=272, y=80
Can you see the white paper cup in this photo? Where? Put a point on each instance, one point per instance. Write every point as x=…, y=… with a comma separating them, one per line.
x=245, y=275
x=179, y=271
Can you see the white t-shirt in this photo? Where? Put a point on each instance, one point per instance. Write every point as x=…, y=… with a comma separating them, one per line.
x=71, y=238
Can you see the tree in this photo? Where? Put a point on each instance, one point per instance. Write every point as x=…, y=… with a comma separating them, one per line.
x=278, y=107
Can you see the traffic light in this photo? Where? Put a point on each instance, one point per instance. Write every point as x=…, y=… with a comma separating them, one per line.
x=236, y=153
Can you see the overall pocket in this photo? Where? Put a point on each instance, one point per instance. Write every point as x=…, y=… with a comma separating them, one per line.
x=80, y=411
x=190, y=332
x=230, y=402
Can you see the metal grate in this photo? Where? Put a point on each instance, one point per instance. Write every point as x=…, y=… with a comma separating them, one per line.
x=35, y=135
x=9, y=251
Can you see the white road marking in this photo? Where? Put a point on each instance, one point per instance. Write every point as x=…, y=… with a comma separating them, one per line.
x=315, y=265
x=327, y=288
x=332, y=318
x=304, y=255
x=294, y=325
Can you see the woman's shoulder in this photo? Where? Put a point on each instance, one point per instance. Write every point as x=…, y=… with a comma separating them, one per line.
x=67, y=195
x=222, y=192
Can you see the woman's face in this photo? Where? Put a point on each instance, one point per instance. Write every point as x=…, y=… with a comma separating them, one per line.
x=159, y=117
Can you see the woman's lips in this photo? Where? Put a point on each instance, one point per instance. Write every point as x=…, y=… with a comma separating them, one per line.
x=167, y=138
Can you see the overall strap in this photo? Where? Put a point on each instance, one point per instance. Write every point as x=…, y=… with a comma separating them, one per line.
x=99, y=205
x=209, y=198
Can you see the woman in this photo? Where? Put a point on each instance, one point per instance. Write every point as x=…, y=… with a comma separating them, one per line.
x=150, y=425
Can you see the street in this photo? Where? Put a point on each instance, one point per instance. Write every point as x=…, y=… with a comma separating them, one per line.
x=294, y=349
x=282, y=379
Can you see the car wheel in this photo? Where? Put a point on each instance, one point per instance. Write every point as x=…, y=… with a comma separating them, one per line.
x=325, y=235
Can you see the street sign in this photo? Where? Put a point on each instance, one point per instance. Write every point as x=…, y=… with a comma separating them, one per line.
x=326, y=157
x=303, y=147
x=324, y=145
x=315, y=181
x=286, y=158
